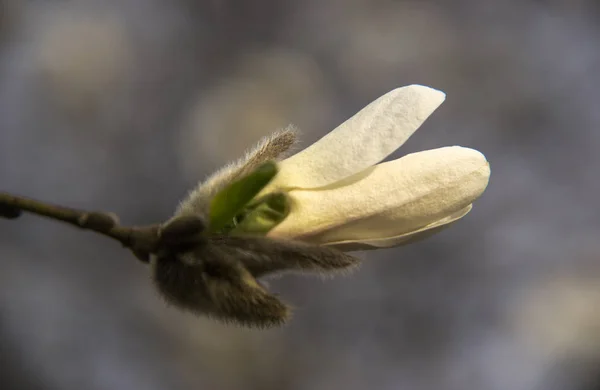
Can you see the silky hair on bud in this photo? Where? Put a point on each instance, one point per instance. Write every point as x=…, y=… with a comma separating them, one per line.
x=206, y=281
x=217, y=277
x=216, y=274
x=273, y=147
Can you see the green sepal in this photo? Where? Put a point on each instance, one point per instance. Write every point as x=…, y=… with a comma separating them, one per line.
x=231, y=201
x=263, y=215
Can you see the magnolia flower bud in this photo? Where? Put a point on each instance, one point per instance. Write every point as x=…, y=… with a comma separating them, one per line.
x=335, y=195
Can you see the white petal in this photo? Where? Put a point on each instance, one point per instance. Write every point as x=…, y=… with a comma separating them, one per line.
x=401, y=239
x=389, y=200
x=363, y=140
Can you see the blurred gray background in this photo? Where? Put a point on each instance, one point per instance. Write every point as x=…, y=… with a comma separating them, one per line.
x=124, y=105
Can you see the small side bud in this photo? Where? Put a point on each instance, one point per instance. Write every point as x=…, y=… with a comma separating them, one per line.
x=98, y=221
x=10, y=212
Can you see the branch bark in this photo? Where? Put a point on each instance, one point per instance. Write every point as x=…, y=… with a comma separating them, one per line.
x=141, y=240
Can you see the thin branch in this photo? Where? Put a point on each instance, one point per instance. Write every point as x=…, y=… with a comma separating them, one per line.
x=142, y=240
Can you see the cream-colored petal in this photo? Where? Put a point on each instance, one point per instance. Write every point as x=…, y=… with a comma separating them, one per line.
x=389, y=200
x=362, y=141
x=401, y=239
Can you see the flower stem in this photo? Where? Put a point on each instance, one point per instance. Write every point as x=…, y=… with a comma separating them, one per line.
x=142, y=240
